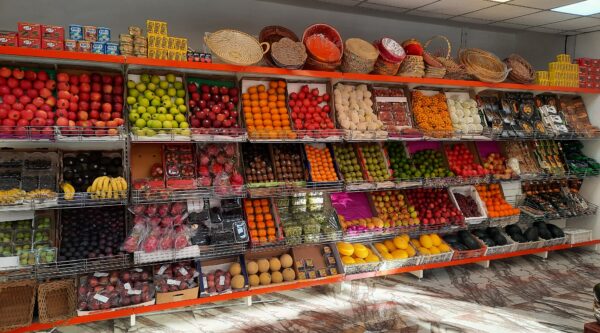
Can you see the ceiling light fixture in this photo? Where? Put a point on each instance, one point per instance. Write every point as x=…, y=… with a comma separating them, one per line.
x=501, y=0
x=583, y=8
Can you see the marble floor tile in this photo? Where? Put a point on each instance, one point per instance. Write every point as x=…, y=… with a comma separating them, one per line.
x=524, y=294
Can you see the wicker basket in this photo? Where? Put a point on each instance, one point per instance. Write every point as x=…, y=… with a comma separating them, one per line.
x=412, y=66
x=521, y=71
x=273, y=33
x=484, y=65
x=328, y=32
x=18, y=300
x=236, y=47
x=56, y=300
x=359, y=56
x=435, y=72
x=288, y=45
x=454, y=70
x=312, y=63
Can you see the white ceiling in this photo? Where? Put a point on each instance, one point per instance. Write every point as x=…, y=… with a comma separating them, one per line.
x=529, y=15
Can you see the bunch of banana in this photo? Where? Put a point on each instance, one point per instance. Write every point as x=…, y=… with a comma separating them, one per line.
x=108, y=188
x=12, y=196
x=68, y=190
x=41, y=193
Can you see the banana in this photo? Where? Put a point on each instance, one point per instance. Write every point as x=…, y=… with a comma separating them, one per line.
x=122, y=186
x=95, y=184
x=108, y=193
x=68, y=190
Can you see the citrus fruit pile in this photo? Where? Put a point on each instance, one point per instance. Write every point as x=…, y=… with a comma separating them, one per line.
x=398, y=247
x=265, y=111
x=494, y=201
x=321, y=163
x=356, y=253
x=260, y=220
x=430, y=244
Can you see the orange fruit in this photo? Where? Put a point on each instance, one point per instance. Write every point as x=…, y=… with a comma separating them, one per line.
x=273, y=84
x=261, y=225
x=260, y=88
x=281, y=84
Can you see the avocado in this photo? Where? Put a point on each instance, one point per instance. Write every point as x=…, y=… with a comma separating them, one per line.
x=544, y=233
x=468, y=240
x=513, y=228
x=499, y=239
x=532, y=234
x=518, y=237
x=540, y=225
x=555, y=231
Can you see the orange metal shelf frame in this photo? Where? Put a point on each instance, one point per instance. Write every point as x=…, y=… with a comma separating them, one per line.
x=296, y=285
x=255, y=70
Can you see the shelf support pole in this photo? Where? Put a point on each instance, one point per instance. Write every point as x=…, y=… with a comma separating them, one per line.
x=543, y=255
x=249, y=300
x=484, y=263
x=418, y=274
x=132, y=320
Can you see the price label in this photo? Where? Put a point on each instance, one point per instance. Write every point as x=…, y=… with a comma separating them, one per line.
x=127, y=286
x=204, y=282
x=139, y=270
x=100, y=274
x=222, y=280
x=172, y=282
x=196, y=274
x=134, y=292
x=101, y=298
x=162, y=269
x=183, y=271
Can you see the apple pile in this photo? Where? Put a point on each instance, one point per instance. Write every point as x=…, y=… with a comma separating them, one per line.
x=310, y=109
x=462, y=161
x=496, y=164
x=218, y=167
x=105, y=290
x=213, y=106
x=157, y=106
x=434, y=206
x=392, y=208
x=27, y=100
x=92, y=102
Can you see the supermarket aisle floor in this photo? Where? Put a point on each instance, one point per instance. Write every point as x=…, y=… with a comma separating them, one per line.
x=514, y=295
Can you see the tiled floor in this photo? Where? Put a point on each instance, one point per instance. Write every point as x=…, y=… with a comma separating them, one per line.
x=523, y=294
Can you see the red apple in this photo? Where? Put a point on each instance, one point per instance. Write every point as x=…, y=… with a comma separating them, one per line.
x=62, y=113
x=38, y=122
x=96, y=87
x=45, y=93
x=5, y=72
x=18, y=73
x=94, y=114
x=105, y=116
x=74, y=80
x=42, y=76
x=41, y=114
x=61, y=121
x=3, y=114
x=107, y=88
x=25, y=84
x=51, y=84
x=32, y=93
x=62, y=103
x=95, y=105
x=10, y=122
x=85, y=87
x=18, y=106
x=12, y=82
x=74, y=90
x=95, y=96
x=73, y=107
x=62, y=77
x=106, y=107
x=18, y=92
x=14, y=115
x=115, y=115
x=72, y=116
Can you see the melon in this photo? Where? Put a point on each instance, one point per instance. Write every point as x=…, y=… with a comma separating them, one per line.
x=400, y=254
x=274, y=264
x=360, y=251
x=387, y=256
x=347, y=260
x=359, y=261
x=425, y=241
x=434, y=250
x=235, y=269
x=415, y=243
x=424, y=251
x=372, y=258
x=436, y=240
x=237, y=282
x=252, y=267
x=411, y=251
x=444, y=247
x=253, y=280
x=390, y=245
x=381, y=248
x=289, y=274
x=400, y=243
x=265, y=278
x=286, y=260
x=263, y=265
x=345, y=249
x=276, y=277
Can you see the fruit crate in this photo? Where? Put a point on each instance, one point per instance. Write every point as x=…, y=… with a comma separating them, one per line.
x=503, y=221
x=317, y=184
x=511, y=246
x=470, y=192
x=56, y=300
x=435, y=258
x=459, y=255
x=363, y=268
x=575, y=236
x=555, y=241
x=18, y=298
x=388, y=264
x=388, y=183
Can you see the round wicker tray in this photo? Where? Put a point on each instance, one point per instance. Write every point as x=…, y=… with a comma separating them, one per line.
x=236, y=47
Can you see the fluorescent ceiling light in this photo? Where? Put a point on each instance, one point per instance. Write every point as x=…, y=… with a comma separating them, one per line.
x=584, y=8
x=501, y=0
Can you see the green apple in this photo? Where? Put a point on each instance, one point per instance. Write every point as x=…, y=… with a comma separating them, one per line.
x=133, y=116
x=149, y=94
x=162, y=109
x=146, y=116
x=169, y=117
x=182, y=108
x=140, y=123
x=180, y=93
x=176, y=131
x=180, y=118
x=144, y=102
x=154, y=123
x=141, y=87
x=163, y=84
x=167, y=124
x=141, y=109
x=155, y=79
x=174, y=124
x=131, y=100
x=151, y=109
x=185, y=131
x=134, y=93
x=179, y=101
x=160, y=92
x=130, y=84
x=145, y=78
x=170, y=78
x=165, y=98
x=162, y=117
x=178, y=85
x=184, y=124
x=150, y=132
x=172, y=92
x=173, y=110
x=155, y=116
x=167, y=103
x=155, y=101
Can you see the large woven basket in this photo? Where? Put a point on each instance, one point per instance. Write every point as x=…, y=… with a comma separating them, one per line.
x=328, y=32
x=236, y=47
x=443, y=54
x=484, y=65
x=273, y=33
x=521, y=70
x=412, y=66
x=17, y=300
x=359, y=56
x=56, y=300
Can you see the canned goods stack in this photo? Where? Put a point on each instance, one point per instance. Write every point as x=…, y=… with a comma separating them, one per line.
x=92, y=39
x=563, y=73
x=163, y=46
x=542, y=78
x=133, y=43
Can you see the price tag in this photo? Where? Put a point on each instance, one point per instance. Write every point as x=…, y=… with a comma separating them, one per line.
x=162, y=269
x=134, y=292
x=183, y=271
x=127, y=286
x=204, y=282
x=139, y=270
x=101, y=298
x=222, y=280
x=390, y=99
x=100, y=274
x=172, y=282
x=196, y=274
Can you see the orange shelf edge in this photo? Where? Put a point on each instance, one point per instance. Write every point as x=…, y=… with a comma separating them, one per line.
x=145, y=62
x=296, y=285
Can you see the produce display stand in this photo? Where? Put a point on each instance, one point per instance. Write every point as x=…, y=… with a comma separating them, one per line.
x=137, y=150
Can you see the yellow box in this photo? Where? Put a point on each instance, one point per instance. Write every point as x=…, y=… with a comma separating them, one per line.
x=156, y=27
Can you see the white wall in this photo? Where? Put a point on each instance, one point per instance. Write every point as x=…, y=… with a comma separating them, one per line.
x=191, y=18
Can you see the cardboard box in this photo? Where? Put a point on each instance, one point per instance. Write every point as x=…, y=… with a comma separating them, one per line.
x=84, y=46
x=29, y=30
x=176, y=296
x=208, y=266
x=52, y=44
x=90, y=33
x=9, y=38
x=33, y=43
x=70, y=45
x=53, y=32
